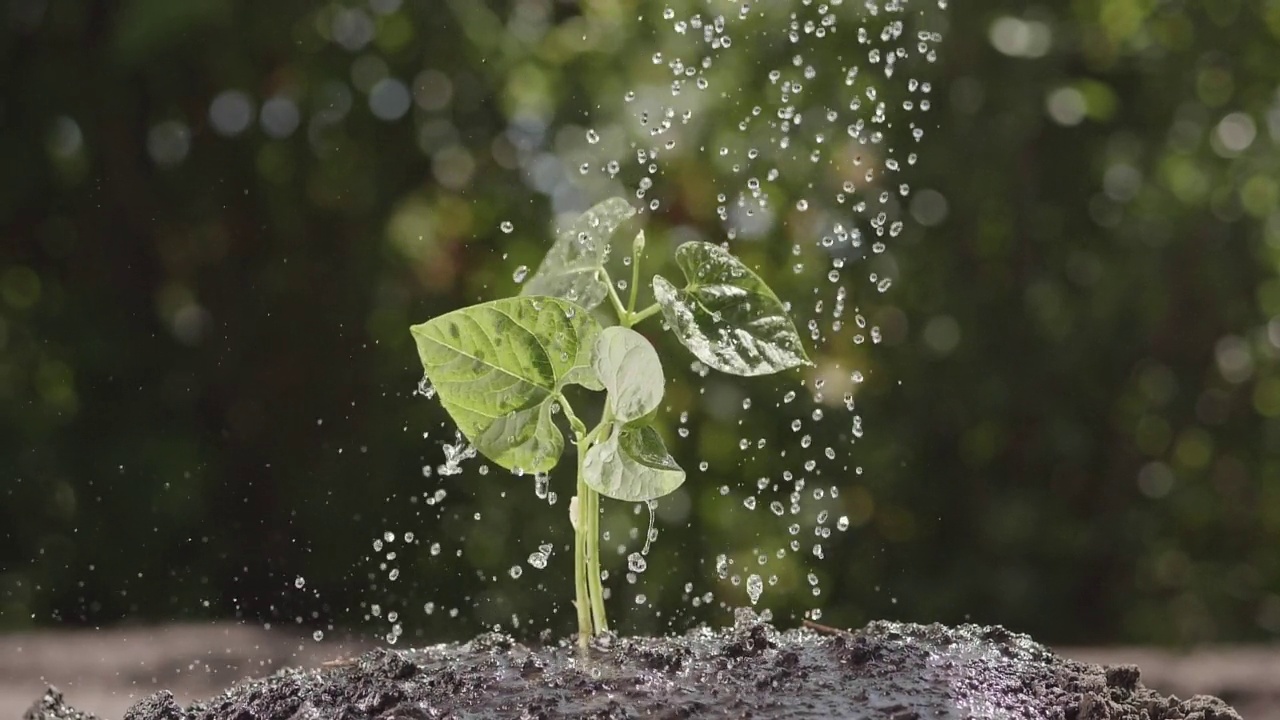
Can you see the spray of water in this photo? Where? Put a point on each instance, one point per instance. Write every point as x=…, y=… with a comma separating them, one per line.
x=818, y=165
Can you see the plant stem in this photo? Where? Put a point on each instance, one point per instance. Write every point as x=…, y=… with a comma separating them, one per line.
x=580, y=541
x=644, y=314
x=579, y=427
x=595, y=588
x=635, y=288
x=618, y=307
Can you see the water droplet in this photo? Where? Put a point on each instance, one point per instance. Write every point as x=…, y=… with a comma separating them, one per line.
x=317, y=635
x=538, y=560
x=507, y=227
x=520, y=273
x=516, y=571
x=636, y=562
x=593, y=137
x=300, y=582
x=755, y=586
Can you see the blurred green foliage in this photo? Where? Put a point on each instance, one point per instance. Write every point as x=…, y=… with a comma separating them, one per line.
x=217, y=220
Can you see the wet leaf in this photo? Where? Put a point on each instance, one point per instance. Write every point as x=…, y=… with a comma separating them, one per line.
x=727, y=316
x=630, y=370
x=583, y=374
x=571, y=268
x=632, y=465
x=497, y=368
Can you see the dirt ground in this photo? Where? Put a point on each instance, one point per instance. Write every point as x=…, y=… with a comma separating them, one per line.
x=105, y=672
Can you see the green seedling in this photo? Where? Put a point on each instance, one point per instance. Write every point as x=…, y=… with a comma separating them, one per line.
x=501, y=368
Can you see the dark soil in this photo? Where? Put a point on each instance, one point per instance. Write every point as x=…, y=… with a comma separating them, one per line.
x=886, y=671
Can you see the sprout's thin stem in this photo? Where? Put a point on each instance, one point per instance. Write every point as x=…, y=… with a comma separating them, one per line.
x=589, y=523
x=580, y=541
x=637, y=252
x=613, y=296
x=595, y=587
x=593, y=437
x=645, y=314
x=579, y=427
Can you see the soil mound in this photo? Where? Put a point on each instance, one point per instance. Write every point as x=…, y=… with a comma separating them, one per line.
x=886, y=671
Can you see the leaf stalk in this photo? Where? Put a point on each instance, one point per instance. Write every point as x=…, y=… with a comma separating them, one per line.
x=618, y=307
x=644, y=314
x=637, y=252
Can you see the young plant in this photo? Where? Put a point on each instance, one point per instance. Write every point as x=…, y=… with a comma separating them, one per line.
x=501, y=368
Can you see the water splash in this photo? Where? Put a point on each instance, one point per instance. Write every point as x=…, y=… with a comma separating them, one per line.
x=818, y=168
x=454, y=455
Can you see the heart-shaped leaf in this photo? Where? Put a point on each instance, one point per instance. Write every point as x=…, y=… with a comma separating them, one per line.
x=571, y=267
x=630, y=370
x=632, y=465
x=727, y=316
x=498, y=367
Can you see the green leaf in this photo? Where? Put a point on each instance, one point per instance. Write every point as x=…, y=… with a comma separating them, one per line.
x=630, y=370
x=632, y=465
x=499, y=366
x=583, y=371
x=520, y=439
x=584, y=375
x=727, y=316
x=571, y=268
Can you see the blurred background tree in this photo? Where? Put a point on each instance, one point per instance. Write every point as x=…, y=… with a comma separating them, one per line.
x=218, y=219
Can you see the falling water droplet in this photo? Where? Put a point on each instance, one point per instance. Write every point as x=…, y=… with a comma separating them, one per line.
x=755, y=586
x=636, y=562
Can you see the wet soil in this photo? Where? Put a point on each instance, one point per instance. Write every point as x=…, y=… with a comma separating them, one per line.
x=886, y=671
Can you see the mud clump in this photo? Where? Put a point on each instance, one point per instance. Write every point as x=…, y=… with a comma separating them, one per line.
x=886, y=671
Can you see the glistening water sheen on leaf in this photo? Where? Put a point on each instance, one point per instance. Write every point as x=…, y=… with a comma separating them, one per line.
x=629, y=368
x=571, y=267
x=498, y=366
x=727, y=316
x=632, y=465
